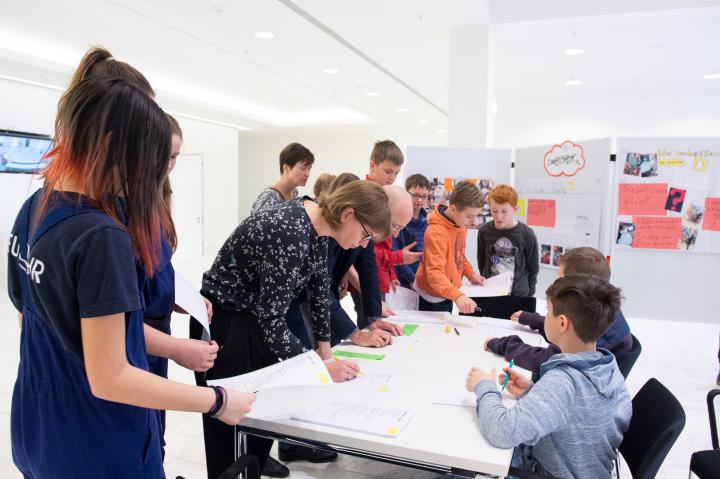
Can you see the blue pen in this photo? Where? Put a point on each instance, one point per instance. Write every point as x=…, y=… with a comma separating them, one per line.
x=507, y=376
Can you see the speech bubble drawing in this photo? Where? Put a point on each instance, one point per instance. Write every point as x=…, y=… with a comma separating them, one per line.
x=565, y=159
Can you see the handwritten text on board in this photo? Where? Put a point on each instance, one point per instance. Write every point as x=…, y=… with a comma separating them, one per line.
x=711, y=219
x=656, y=233
x=541, y=213
x=642, y=198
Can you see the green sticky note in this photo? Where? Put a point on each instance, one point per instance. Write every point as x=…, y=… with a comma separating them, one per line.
x=408, y=329
x=353, y=354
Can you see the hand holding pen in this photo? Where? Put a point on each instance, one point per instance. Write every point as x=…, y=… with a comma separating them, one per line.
x=516, y=384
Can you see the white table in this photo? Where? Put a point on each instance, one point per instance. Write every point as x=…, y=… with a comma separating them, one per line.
x=442, y=438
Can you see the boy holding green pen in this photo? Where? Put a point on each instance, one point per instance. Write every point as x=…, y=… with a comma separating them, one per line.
x=571, y=421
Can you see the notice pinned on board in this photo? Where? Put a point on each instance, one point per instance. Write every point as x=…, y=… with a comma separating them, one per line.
x=656, y=232
x=522, y=207
x=541, y=213
x=642, y=198
x=711, y=219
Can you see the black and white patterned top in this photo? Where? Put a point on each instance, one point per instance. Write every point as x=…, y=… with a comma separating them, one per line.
x=265, y=263
x=269, y=198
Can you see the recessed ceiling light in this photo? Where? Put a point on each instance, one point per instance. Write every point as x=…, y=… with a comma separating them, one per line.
x=441, y=131
x=574, y=51
x=402, y=110
x=371, y=93
x=573, y=82
x=264, y=35
x=712, y=76
x=331, y=71
x=423, y=122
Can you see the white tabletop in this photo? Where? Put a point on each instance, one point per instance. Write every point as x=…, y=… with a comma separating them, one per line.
x=438, y=435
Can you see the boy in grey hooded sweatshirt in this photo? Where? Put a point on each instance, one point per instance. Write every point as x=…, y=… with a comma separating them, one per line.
x=572, y=420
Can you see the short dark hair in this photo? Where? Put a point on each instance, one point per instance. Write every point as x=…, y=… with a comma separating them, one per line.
x=466, y=195
x=387, y=150
x=417, y=181
x=590, y=303
x=585, y=260
x=295, y=153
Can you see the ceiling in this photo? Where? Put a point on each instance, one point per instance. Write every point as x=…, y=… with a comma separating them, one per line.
x=203, y=60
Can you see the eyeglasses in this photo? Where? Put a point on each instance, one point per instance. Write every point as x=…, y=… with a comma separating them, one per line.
x=419, y=197
x=367, y=236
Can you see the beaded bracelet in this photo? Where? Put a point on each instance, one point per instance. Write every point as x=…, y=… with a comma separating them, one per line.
x=219, y=401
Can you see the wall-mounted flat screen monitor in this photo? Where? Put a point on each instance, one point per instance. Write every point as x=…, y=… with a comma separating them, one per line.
x=23, y=152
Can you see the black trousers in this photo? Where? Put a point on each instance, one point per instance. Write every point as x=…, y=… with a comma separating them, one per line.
x=242, y=350
x=445, y=305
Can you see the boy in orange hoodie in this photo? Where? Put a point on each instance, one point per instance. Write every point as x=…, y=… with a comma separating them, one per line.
x=444, y=263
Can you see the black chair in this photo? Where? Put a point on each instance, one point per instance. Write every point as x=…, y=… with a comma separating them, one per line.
x=627, y=361
x=657, y=421
x=706, y=464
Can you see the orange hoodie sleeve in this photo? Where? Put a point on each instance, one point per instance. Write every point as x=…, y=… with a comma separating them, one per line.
x=435, y=258
x=467, y=267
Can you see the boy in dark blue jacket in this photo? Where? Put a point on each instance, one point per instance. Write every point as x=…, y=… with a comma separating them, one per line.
x=617, y=339
x=414, y=233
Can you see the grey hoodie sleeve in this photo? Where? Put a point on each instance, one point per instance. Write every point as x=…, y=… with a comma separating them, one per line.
x=541, y=410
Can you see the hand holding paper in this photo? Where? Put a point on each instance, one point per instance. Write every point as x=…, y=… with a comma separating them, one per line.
x=188, y=298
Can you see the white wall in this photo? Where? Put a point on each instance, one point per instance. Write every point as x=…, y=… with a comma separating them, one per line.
x=32, y=109
x=218, y=146
x=336, y=150
x=538, y=121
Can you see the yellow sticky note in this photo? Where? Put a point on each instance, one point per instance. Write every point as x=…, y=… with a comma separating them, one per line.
x=700, y=164
x=382, y=388
x=392, y=430
x=323, y=378
x=672, y=162
x=570, y=185
x=522, y=207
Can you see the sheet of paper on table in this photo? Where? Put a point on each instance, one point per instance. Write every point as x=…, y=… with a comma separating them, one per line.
x=305, y=369
x=499, y=285
x=402, y=298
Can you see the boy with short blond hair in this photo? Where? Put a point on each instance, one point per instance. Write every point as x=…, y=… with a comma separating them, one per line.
x=505, y=245
x=617, y=339
x=444, y=264
x=570, y=422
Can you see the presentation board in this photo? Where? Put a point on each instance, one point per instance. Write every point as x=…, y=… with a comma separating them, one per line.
x=666, y=253
x=445, y=166
x=668, y=194
x=565, y=196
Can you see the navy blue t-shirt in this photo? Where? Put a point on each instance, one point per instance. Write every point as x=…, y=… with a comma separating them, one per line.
x=88, y=270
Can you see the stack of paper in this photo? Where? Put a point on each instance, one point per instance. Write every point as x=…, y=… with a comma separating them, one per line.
x=499, y=285
x=402, y=298
x=377, y=420
x=306, y=369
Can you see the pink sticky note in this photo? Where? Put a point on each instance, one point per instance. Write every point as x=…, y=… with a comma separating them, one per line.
x=656, y=232
x=541, y=213
x=711, y=216
x=642, y=198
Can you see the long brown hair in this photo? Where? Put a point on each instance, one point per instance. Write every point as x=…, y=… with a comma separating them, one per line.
x=114, y=139
x=98, y=62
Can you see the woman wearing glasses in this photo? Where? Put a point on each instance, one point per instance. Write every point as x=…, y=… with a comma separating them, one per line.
x=266, y=262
